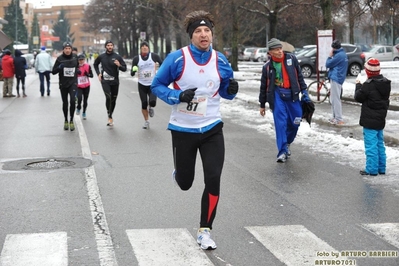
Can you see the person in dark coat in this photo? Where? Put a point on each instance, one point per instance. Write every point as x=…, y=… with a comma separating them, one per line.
x=374, y=96
x=20, y=65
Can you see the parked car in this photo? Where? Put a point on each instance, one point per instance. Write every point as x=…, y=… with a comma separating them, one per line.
x=259, y=55
x=355, y=55
x=227, y=52
x=382, y=53
x=365, y=47
x=30, y=60
x=247, y=53
x=307, y=61
x=355, y=58
x=305, y=49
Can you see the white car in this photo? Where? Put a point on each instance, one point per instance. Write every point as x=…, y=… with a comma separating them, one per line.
x=259, y=55
x=30, y=60
x=382, y=53
x=247, y=53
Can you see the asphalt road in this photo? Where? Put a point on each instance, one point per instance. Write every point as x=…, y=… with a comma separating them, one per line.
x=117, y=204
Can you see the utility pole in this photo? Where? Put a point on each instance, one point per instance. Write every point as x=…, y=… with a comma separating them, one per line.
x=16, y=21
x=392, y=13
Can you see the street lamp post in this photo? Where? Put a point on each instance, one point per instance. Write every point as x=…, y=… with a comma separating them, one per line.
x=66, y=26
x=391, y=10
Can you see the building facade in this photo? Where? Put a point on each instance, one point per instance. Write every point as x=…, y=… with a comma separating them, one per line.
x=48, y=17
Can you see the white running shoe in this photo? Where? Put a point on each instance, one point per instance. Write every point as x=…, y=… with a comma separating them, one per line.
x=204, y=239
x=151, y=112
x=282, y=158
x=146, y=125
x=332, y=121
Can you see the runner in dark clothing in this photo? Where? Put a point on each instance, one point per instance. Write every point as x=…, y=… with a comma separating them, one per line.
x=111, y=63
x=67, y=68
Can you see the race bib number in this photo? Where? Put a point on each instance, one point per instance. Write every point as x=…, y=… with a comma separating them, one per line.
x=83, y=80
x=107, y=76
x=197, y=107
x=146, y=74
x=69, y=71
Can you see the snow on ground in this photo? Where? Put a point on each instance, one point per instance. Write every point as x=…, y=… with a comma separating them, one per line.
x=244, y=110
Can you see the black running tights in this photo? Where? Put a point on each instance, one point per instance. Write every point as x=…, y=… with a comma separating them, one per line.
x=111, y=93
x=65, y=91
x=211, y=148
x=83, y=94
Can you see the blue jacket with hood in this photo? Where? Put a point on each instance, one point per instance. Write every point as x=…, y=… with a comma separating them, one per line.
x=338, y=66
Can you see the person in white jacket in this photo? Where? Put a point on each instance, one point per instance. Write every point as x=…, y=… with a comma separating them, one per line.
x=43, y=66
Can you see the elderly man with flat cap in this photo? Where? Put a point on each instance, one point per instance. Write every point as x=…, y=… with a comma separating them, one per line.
x=281, y=83
x=111, y=63
x=201, y=76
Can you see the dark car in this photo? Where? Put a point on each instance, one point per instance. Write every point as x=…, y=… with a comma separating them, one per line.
x=355, y=55
x=307, y=61
x=355, y=58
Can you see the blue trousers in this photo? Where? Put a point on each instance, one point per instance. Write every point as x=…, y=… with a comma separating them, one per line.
x=287, y=117
x=45, y=74
x=374, y=146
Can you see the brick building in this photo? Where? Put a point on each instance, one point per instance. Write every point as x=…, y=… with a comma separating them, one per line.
x=47, y=16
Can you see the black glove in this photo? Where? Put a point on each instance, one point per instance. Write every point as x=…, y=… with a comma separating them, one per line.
x=78, y=72
x=233, y=87
x=187, y=95
x=61, y=66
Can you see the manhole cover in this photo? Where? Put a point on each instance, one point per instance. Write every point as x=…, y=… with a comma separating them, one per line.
x=47, y=164
x=50, y=164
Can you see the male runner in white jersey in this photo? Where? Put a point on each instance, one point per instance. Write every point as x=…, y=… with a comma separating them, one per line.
x=146, y=65
x=201, y=77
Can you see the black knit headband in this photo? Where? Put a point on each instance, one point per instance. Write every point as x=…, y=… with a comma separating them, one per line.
x=198, y=23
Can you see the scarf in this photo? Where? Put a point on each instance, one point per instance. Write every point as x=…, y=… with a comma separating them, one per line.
x=282, y=79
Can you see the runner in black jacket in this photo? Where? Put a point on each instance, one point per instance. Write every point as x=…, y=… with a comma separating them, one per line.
x=66, y=66
x=111, y=63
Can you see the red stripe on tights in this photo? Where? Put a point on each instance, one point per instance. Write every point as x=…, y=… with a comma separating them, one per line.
x=213, y=201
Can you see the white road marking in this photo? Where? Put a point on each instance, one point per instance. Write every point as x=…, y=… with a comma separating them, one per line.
x=160, y=247
x=44, y=249
x=387, y=231
x=293, y=244
x=106, y=251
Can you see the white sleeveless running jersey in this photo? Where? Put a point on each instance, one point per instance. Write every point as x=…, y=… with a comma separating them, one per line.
x=146, y=70
x=204, y=109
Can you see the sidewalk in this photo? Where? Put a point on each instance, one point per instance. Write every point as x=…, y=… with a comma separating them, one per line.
x=249, y=92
